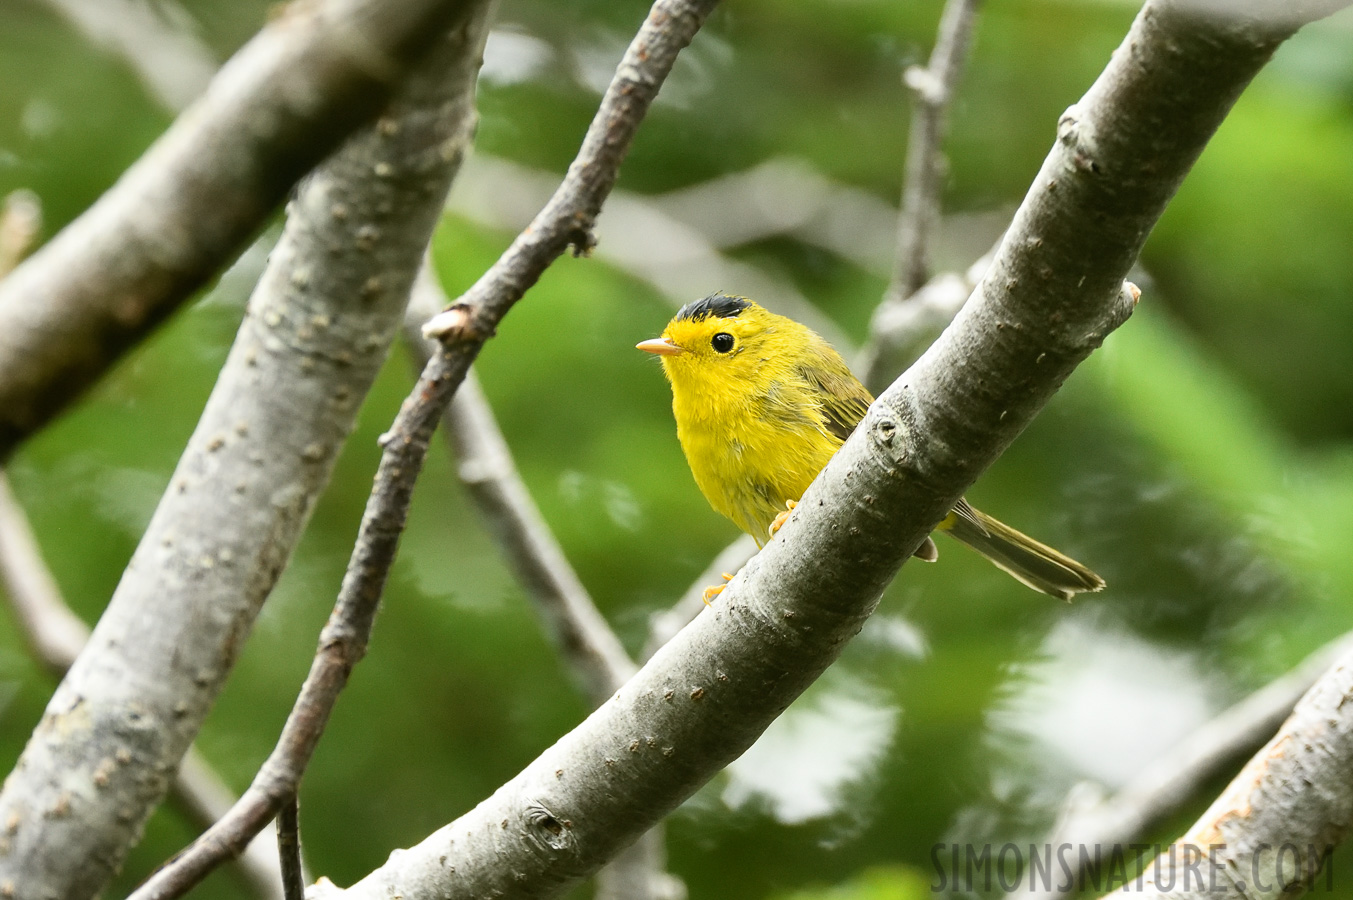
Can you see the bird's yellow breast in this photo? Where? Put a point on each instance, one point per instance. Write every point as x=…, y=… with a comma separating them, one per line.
x=753, y=445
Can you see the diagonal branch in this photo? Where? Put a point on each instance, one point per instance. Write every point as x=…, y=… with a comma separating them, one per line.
x=586, y=642
x=192, y=200
x=567, y=218
x=1054, y=292
x=571, y=213
x=1168, y=784
x=318, y=328
x=56, y=635
x=1275, y=825
x=385, y=190
x=933, y=87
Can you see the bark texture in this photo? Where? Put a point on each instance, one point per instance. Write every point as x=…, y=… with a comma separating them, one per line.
x=318, y=327
x=1053, y=293
x=1272, y=829
x=188, y=205
x=1169, y=784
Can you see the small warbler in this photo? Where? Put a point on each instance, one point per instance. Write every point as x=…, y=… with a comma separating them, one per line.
x=762, y=402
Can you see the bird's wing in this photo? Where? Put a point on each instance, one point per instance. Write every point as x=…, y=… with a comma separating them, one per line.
x=844, y=401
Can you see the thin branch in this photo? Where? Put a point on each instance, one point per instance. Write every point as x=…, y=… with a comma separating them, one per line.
x=55, y=635
x=1170, y=783
x=1294, y=794
x=485, y=466
x=289, y=849
x=900, y=332
x=566, y=219
x=318, y=329
x=205, y=797
x=175, y=217
x=413, y=153
x=586, y=642
x=570, y=215
x=933, y=87
x=1053, y=293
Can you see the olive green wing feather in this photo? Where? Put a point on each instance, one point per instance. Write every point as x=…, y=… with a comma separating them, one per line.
x=844, y=400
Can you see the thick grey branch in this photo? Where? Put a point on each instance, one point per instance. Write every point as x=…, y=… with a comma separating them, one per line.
x=56, y=635
x=1275, y=825
x=923, y=180
x=1171, y=782
x=1054, y=292
x=277, y=108
x=317, y=330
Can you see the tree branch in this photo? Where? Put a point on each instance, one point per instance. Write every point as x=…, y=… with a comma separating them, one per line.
x=1054, y=291
x=56, y=635
x=571, y=213
x=1169, y=783
x=318, y=328
x=276, y=109
x=933, y=87
x=585, y=641
x=289, y=849
x=1294, y=795
x=53, y=633
x=484, y=463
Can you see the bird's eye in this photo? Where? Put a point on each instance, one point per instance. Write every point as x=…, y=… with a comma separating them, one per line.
x=722, y=342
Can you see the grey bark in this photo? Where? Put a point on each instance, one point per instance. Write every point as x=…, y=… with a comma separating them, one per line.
x=192, y=200
x=318, y=328
x=1274, y=826
x=1053, y=293
x=55, y=636
x=1170, y=783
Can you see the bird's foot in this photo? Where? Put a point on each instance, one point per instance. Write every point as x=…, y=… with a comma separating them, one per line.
x=715, y=590
x=783, y=517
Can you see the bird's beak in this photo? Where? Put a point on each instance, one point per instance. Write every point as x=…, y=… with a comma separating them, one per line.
x=661, y=346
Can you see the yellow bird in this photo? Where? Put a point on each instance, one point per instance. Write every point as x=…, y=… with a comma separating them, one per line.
x=762, y=402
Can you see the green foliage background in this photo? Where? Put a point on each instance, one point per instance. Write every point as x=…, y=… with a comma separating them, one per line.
x=1201, y=462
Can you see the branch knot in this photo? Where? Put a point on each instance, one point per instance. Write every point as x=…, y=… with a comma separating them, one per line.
x=1076, y=134
x=455, y=323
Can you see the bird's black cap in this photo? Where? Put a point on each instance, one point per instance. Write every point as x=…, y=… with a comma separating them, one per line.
x=719, y=304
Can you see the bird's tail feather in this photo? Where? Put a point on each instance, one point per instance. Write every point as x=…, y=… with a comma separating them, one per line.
x=1030, y=562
